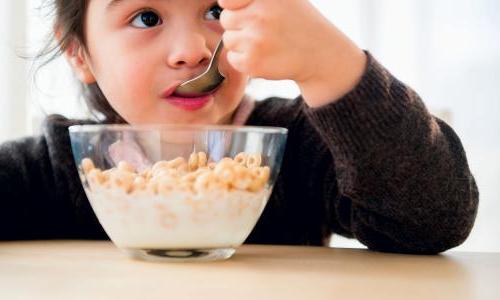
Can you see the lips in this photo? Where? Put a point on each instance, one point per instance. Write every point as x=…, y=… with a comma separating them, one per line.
x=185, y=103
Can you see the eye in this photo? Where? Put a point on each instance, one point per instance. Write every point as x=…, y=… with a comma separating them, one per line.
x=213, y=12
x=146, y=19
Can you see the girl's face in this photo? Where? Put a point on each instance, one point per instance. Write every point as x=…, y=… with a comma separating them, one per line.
x=138, y=51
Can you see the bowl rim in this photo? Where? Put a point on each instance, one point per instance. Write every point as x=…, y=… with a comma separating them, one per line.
x=90, y=128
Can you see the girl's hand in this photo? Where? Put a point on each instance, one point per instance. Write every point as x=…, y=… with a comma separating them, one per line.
x=291, y=39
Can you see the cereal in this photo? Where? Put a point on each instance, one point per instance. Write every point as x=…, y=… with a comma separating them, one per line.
x=125, y=166
x=176, y=163
x=167, y=173
x=205, y=182
x=96, y=176
x=146, y=174
x=262, y=173
x=253, y=161
x=87, y=165
x=166, y=186
x=159, y=166
x=254, y=186
x=260, y=176
x=185, y=186
x=152, y=187
x=242, y=177
x=226, y=160
x=193, y=162
x=224, y=171
x=123, y=180
x=241, y=158
x=189, y=177
x=183, y=168
x=202, y=159
x=139, y=184
x=194, y=175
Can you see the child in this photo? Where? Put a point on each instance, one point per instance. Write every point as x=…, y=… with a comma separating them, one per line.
x=364, y=159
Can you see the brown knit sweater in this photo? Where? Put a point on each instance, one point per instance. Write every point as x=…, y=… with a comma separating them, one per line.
x=375, y=166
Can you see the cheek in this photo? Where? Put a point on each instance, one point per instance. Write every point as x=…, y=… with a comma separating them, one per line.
x=237, y=81
x=233, y=93
x=126, y=85
x=123, y=71
x=239, y=84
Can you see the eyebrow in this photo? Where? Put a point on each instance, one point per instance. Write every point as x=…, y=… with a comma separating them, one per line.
x=114, y=3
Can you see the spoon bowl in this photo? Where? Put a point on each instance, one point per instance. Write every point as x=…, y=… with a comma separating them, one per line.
x=205, y=83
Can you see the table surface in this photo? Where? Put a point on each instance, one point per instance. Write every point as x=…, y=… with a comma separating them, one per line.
x=98, y=270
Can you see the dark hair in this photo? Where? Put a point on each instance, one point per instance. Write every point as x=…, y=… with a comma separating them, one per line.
x=69, y=23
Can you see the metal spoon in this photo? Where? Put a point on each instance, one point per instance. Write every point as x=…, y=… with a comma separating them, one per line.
x=205, y=83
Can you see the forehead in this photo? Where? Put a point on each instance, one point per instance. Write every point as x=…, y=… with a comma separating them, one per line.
x=114, y=3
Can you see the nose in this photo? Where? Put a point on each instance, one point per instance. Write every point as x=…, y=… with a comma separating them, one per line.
x=188, y=50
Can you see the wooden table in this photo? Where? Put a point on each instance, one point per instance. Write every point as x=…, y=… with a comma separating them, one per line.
x=97, y=270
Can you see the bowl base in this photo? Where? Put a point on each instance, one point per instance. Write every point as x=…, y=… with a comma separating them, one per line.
x=180, y=255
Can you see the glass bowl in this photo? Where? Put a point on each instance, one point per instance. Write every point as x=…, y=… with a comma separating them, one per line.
x=178, y=193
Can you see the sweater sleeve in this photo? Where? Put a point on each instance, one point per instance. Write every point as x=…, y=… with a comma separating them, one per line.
x=403, y=179
x=41, y=197
x=30, y=208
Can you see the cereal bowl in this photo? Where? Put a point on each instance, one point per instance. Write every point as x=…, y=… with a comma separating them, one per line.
x=178, y=193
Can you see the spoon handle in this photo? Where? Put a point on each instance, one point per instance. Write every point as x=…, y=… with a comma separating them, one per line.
x=215, y=58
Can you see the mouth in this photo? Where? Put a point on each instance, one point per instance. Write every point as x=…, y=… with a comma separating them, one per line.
x=186, y=103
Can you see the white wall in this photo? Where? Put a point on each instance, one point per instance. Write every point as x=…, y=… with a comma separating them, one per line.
x=13, y=75
x=56, y=90
x=449, y=51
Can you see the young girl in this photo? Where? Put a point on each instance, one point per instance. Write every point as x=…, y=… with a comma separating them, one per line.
x=364, y=159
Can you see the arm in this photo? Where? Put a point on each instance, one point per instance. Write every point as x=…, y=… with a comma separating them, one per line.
x=32, y=205
x=27, y=194
x=402, y=175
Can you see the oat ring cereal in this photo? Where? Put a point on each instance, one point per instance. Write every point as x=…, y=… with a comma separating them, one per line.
x=197, y=174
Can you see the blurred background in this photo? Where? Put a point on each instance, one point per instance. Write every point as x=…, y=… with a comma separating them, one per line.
x=448, y=51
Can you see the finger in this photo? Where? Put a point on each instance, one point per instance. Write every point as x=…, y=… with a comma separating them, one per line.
x=234, y=4
x=233, y=41
x=230, y=20
x=237, y=61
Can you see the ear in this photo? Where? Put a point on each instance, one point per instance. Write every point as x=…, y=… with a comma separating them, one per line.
x=79, y=61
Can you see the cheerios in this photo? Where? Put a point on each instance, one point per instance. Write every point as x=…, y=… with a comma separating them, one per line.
x=152, y=187
x=262, y=173
x=165, y=186
x=226, y=160
x=122, y=179
x=176, y=163
x=139, y=184
x=241, y=158
x=242, y=178
x=205, y=181
x=125, y=166
x=193, y=162
x=161, y=165
x=194, y=175
x=96, y=177
x=260, y=176
x=146, y=174
x=87, y=165
x=254, y=160
x=202, y=159
x=225, y=172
